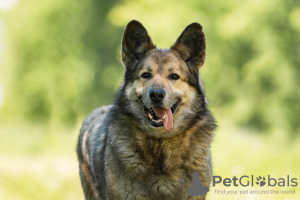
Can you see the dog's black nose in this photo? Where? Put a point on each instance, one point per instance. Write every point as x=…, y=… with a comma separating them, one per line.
x=157, y=94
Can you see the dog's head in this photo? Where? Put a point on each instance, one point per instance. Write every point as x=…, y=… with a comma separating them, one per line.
x=161, y=86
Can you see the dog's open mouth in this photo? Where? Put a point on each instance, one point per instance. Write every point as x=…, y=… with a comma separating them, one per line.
x=161, y=117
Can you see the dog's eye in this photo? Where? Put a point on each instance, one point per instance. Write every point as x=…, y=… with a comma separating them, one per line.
x=174, y=76
x=146, y=75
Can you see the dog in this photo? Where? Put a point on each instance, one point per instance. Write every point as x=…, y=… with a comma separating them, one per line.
x=159, y=128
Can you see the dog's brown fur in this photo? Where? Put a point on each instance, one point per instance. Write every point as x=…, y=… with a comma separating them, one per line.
x=121, y=156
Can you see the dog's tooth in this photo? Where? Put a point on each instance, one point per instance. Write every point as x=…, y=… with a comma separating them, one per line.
x=164, y=117
x=150, y=116
x=155, y=120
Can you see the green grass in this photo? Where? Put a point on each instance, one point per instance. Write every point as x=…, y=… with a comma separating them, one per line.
x=40, y=163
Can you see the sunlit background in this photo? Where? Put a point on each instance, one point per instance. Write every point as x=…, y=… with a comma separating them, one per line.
x=61, y=59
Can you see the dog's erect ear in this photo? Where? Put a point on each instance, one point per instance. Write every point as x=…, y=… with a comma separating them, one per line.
x=191, y=45
x=135, y=44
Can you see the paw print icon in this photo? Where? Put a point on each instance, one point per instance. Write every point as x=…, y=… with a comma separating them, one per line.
x=261, y=181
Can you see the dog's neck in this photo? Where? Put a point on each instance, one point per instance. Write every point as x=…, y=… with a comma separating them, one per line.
x=165, y=153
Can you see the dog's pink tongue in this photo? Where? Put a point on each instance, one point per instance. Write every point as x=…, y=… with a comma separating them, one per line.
x=168, y=121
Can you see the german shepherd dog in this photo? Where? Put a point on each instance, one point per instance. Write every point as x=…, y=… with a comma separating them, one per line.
x=158, y=129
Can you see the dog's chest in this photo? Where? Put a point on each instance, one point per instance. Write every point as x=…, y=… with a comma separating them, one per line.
x=155, y=173
x=144, y=168
x=153, y=185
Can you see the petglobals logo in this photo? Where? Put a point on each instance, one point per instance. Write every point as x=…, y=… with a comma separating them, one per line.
x=255, y=185
x=246, y=181
x=239, y=185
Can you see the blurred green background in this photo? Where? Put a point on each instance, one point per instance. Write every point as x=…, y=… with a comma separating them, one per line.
x=61, y=59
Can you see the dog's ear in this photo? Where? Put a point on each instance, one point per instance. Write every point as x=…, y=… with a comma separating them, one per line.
x=191, y=45
x=135, y=44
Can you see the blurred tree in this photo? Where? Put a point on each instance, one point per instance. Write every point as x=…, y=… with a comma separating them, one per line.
x=60, y=59
x=262, y=50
